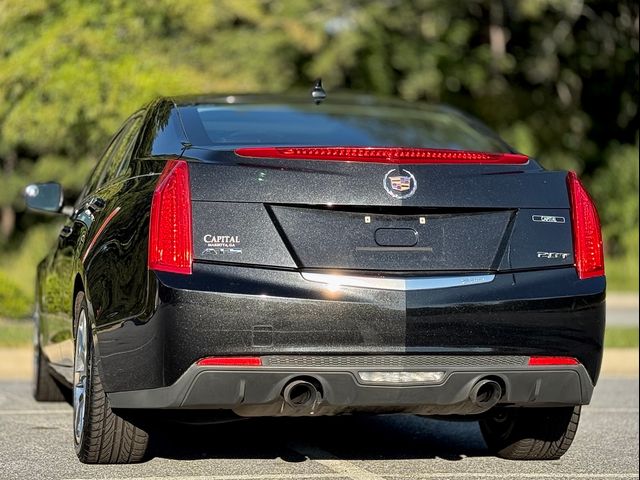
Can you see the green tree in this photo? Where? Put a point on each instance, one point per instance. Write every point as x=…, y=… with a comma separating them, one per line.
x=558, y=79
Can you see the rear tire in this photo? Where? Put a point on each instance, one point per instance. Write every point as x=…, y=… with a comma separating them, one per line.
x=531, y=433
x=100, y=436
x=45, y=387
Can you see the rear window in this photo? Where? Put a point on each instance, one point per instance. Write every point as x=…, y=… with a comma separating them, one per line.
x=275, y=125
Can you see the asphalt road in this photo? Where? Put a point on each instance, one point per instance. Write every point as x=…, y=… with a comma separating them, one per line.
x=36, y=442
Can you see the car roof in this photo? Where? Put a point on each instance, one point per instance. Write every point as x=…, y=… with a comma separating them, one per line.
x=304, y=98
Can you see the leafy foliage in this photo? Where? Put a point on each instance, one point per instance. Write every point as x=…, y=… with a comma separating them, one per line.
x=557, y=78
x=14, y=301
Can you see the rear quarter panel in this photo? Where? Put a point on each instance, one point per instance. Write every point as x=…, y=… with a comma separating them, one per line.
x=115, y=269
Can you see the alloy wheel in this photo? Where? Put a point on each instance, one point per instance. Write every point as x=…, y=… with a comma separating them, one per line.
x=80, y=376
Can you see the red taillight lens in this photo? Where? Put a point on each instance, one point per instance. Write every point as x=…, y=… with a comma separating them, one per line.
x=230, y=362
x=533, y=361
x=393, y=155
x=587, y=236
x=170, y=243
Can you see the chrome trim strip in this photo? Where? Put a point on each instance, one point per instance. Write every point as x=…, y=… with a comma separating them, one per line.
x=396, y=283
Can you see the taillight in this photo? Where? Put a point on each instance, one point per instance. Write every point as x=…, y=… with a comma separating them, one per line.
x=587, y=236
x=393, y=155
x=550, y=361
x=170, y=242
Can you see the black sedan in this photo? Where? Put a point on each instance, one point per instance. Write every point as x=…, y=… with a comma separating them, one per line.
x=245, y=256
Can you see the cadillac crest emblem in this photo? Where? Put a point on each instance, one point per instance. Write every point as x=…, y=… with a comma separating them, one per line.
x=400, y=183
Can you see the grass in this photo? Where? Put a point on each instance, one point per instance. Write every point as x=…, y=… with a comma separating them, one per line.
x=17, y=333
x=622, y=274
x=14, y=302
x=621, y=337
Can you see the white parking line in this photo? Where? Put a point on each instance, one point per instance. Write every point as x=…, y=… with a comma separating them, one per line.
x=343, y=467
x=361, y=474
x=268, y=476
x=35, y=412
x=611, y=410
x=514, y=475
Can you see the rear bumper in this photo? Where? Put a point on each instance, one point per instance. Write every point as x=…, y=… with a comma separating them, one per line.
x=230, y=310
x=258, y=391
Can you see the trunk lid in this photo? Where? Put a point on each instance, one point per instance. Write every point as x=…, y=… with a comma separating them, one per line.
x=397, y=240
x=307, y=214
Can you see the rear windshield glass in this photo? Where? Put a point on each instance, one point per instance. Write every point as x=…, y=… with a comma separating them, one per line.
x=246, y=125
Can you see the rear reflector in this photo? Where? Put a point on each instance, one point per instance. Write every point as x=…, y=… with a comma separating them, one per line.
x=587, y=236
x=537, y=361
x=230, y=362
x=392, y=155
x=170, y=242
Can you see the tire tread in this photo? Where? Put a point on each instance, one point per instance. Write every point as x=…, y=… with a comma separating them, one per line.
x=108, y=438
x=46, y=387
x=535, y=434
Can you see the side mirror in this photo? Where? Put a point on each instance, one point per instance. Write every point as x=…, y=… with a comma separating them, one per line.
x=44, y=197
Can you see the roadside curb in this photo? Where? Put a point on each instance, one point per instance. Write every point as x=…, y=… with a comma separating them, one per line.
x=16, y=363
x=620, y=361
x=622, y=300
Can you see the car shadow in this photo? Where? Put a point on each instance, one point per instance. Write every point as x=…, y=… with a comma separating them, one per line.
x=384, y=437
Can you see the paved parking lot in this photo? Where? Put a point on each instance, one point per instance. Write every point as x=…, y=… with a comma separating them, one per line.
x=36, y=442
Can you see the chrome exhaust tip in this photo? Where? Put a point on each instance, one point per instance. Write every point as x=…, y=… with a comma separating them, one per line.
x=485, y=394
x=300, y=394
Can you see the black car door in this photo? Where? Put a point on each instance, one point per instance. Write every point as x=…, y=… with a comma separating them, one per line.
x=75, y=236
